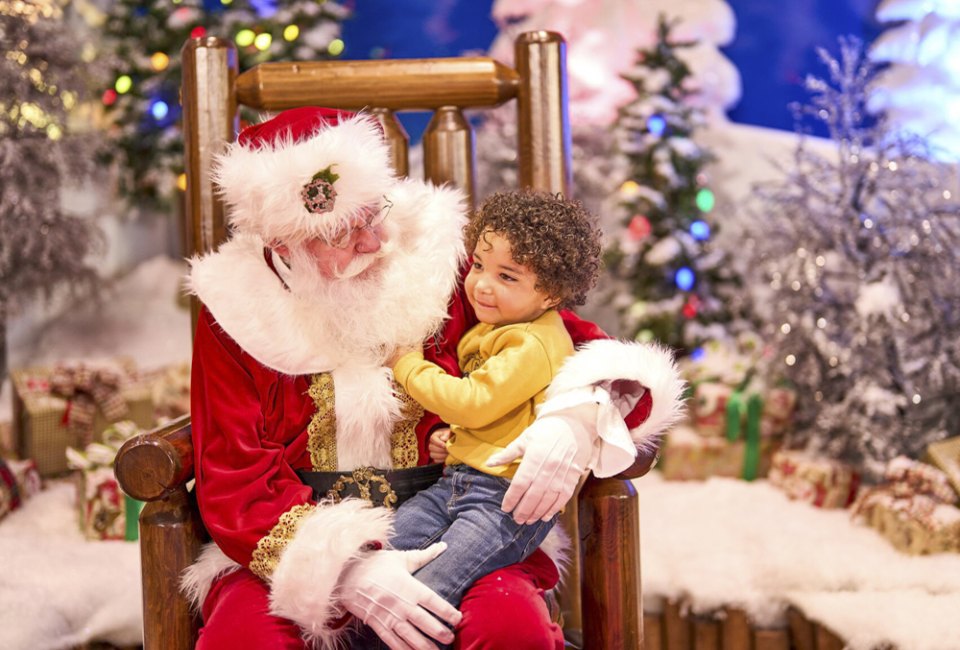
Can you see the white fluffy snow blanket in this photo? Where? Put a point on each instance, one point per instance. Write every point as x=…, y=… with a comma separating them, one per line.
x=725, y=542
x=58, y=590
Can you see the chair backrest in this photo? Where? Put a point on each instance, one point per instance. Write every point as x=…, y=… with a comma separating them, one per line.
x=155, y=467
x=213, y=91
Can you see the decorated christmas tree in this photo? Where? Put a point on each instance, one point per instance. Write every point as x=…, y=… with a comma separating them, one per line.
x=42, y=245
x=600, y=47
x=144, y=41
x=920, y=89
x=858, y=280
x=662, y=255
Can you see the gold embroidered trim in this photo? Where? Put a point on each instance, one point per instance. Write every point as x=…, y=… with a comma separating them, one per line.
x=404, y=451
x=267, y=554
x=322, y=430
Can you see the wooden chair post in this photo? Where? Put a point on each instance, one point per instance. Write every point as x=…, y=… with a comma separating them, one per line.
x=209, y=121
x=610, y=565
x=397, y=136
x=155, y=467
x=543, y=124
x=448, y=151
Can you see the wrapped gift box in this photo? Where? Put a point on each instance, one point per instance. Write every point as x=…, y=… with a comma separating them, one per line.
x=918, y=526
x=945, y=455
x=718, y=409
x=687, y=455
x=105, y=512
x=19, y=480
x=822, y=482
x=171, y=391
x=913, y=508
x=45, y=423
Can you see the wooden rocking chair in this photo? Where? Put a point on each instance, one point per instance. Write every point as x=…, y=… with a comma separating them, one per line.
x=602, y=599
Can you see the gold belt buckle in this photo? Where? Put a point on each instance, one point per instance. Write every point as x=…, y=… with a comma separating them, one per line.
x=365, y=479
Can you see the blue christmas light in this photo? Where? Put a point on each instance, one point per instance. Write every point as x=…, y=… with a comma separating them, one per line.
x=656, y=125
x=264, y=8
x=159, y=109
x=684, y=278
x=700, y=230
x=698, y=354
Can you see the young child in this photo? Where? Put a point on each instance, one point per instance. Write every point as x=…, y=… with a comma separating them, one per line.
x=533, y=253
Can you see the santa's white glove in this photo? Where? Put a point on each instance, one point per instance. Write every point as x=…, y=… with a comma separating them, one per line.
x=380, y=590
x=556, y=450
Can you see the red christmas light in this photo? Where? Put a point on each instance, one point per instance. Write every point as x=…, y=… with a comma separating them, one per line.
x=198, y=32
x=109, y=97
x=639, y=227
x=691, y=307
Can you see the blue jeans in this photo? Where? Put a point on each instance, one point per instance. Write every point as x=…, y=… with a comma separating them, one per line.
x=463, y=510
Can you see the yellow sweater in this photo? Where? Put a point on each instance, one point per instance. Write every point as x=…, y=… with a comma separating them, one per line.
x=506, y=372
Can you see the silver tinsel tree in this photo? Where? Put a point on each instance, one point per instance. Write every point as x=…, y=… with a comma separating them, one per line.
x=859, y=280
x=42, y=73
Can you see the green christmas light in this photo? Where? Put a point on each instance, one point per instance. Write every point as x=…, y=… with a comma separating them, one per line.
x=336, y=47
x=705, y=200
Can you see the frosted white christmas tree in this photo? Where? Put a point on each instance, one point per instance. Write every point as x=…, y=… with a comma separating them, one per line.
x=920, y=91
x=855, y=268
x=603, y=38
x=44, y=76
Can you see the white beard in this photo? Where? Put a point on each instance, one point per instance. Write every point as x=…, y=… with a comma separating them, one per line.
x=349, y=309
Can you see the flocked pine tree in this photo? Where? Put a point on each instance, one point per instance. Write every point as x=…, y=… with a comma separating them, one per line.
x=662, y=255
x=143, y=40
x=42, y=245
x=920, y=89
x=858, y=280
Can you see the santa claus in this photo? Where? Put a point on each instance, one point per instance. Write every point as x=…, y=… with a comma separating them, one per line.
x=303, y=442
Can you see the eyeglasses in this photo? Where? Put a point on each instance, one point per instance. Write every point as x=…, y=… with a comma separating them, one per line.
x=373, y=219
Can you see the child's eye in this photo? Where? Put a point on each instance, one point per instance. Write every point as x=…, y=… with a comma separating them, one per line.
x=507, y=278
x=477, y=266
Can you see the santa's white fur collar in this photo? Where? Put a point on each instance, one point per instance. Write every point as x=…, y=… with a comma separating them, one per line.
x=292, y=336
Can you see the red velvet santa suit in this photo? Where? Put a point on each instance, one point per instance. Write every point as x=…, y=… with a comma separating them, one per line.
x=283, y=384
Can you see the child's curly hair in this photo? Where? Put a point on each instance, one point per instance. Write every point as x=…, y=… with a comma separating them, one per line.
x=553, y=236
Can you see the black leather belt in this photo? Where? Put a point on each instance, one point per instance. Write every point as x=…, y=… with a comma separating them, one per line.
x=381, y=487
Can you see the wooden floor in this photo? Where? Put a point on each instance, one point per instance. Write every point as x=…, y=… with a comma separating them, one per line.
x=729, y=629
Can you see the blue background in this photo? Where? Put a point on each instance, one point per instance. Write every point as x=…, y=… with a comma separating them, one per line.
x=774, y=47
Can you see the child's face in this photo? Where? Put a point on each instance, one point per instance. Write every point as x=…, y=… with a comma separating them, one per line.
x=501, y=291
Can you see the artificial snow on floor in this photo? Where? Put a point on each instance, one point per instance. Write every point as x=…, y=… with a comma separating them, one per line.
x=59, y=590
x=725, y=542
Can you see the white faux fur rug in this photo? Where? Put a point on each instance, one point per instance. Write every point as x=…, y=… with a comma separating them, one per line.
x=58, y=590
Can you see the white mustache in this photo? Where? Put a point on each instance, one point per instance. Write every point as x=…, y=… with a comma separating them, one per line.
x=361, y=263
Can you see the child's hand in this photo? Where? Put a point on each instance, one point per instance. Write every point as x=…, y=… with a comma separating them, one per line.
x=437, y=445
x=399, y=352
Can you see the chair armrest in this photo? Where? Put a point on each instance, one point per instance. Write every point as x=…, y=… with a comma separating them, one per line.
x=153, y=465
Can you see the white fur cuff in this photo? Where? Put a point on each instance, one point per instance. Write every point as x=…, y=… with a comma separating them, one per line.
x=605, y=361
x=309, y=569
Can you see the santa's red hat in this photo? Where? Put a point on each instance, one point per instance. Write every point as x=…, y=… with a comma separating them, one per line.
x=304, y=173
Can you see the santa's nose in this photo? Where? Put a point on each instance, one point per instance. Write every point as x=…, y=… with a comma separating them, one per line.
x=369, y=240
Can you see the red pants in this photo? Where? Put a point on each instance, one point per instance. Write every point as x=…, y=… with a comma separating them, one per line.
x=502, y=610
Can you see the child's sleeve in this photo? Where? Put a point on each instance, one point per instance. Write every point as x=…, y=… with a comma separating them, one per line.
x=519, y=367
